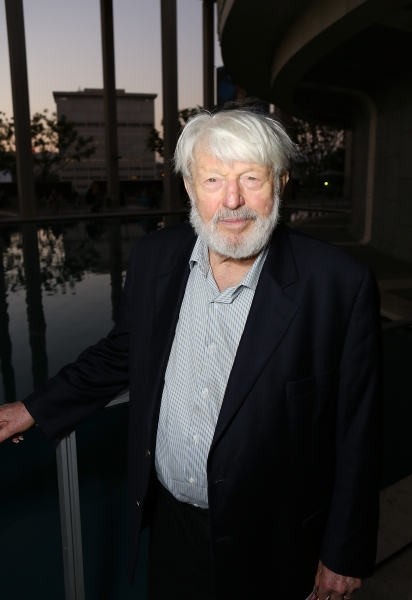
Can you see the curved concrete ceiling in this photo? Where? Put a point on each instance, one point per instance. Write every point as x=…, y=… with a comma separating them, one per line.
x=318, y=57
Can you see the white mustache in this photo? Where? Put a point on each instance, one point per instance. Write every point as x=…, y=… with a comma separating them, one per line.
x=239, y=213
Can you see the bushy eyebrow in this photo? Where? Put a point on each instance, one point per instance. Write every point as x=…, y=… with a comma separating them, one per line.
x=212, y=171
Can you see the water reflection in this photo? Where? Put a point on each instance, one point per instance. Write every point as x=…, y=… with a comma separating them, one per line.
x=115, y=266
x=60, y=286
x=35, y=314
x=7, y=371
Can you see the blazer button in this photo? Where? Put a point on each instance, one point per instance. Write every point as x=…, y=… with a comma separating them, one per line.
x=138, y=503
x=147, y=453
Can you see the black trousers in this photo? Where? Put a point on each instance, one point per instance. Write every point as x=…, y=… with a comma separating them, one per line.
x=180, y=560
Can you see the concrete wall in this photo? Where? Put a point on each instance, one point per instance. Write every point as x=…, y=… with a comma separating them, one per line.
x=392, y=222
x=392, y=198
x=359, y=166
x=392, y=204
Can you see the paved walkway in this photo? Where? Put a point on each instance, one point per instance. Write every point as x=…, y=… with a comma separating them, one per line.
x=394, y=276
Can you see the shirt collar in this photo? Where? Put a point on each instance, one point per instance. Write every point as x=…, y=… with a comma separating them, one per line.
x=200, y=258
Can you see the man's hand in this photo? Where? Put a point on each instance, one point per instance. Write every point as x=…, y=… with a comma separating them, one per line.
x=14, y=419
x=334, y=586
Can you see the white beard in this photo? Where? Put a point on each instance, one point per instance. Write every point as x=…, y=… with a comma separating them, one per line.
x=236, y=246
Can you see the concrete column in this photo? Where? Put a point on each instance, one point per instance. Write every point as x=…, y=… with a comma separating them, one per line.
x=170, y=106
x=21, y=107
x=208, y=55
x=109, y=94
x=347, y=185
x=287, y=122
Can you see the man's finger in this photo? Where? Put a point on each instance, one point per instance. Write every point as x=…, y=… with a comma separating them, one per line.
x=4, y=432
x=14, y=419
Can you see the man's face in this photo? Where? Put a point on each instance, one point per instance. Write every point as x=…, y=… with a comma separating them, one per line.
x=217, y=186
x=236, y=206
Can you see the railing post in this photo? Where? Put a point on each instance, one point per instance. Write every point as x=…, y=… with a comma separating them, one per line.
x=69, y=501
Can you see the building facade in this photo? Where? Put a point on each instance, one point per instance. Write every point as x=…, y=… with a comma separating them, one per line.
x=345, y=63
x=135, y=119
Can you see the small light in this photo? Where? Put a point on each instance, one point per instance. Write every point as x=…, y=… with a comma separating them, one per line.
x=326, y=183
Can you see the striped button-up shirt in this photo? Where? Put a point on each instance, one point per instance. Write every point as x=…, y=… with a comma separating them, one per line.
x=206, y=340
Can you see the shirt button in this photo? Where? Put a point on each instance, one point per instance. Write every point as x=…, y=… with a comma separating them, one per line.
x=195, y=438
x=212, y=347
x=205, y=392
x=191, y=481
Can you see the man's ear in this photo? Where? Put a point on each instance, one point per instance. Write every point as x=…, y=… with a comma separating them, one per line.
x=283, y=181
x=187, y=186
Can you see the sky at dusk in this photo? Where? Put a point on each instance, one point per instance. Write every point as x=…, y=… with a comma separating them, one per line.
x=64, y=50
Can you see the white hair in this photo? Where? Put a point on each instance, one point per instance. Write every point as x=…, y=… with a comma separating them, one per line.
x=234, y=135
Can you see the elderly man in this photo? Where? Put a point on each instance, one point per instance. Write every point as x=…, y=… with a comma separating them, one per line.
x=252, y=357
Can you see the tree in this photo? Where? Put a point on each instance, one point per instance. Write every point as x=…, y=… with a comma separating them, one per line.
x=7, y=158
x=319, y=148
x=55, y=144
x=154, y=142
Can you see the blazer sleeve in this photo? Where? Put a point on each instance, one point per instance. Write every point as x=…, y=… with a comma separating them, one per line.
x=93, y=380
x=349, y=543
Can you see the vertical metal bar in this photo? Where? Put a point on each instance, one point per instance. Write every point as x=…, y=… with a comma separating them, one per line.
x=110, y=108
x=70, y=517
x=208, y=55
x=170, y=106
x=21, y=107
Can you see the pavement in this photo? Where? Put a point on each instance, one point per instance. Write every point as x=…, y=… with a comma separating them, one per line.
x=394, y=276
x=393, y=575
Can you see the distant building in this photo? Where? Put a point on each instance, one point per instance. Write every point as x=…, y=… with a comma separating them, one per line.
x=135, y=118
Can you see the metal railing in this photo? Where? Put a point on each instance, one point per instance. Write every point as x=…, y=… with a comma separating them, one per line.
x=69, y=499
x=69, y=502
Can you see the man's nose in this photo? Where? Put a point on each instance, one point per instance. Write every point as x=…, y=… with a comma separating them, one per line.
x=233, y=196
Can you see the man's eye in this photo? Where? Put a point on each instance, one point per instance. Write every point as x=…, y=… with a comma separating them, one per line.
x=252, y=178
x=212, y=184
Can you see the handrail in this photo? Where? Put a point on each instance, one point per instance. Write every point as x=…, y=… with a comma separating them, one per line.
x=398, y=324
x=120, y=214
x=121, y=398
x=69, y=503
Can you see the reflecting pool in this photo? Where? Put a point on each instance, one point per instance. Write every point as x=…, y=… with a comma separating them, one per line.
x=60, y=285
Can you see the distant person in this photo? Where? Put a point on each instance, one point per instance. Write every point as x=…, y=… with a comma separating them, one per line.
x=252, y=355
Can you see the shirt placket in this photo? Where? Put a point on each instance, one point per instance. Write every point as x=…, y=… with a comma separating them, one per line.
x=201, y=429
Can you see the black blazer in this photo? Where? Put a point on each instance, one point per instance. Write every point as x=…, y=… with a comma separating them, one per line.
x=293, y=470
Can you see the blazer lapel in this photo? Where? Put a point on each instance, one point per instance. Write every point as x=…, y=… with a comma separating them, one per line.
x=270, y=316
